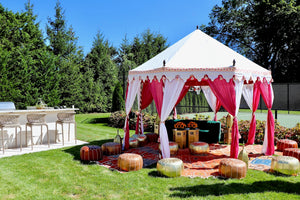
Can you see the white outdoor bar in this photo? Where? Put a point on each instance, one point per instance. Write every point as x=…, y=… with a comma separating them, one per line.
x=50, y=120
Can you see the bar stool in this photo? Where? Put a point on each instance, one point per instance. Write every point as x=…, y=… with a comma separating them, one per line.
x=37, y=119
x=7, y=121
x=67, y=118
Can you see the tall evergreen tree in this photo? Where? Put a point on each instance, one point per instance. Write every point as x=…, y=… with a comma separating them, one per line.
x=24, y=75
x=132, y=54
x=63, y=44
x=118, y=102
x=103, y=72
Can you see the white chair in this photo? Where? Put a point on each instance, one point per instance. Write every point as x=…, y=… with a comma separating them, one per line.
x=68, y=118
x=10, y=121
x=37, y=119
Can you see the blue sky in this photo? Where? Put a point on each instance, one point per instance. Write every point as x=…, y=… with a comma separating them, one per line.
x=173, y=19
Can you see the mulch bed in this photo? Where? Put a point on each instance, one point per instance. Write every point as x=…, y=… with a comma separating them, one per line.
x=203, y=166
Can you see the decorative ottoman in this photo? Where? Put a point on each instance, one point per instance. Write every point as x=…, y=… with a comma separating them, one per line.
x=294, y=152
x=130, y=162
x=232, y=168
x=91, y=153
x=170, y=167
x=133, y=143
x=111, y=148
x=285, y=164
x=152, y=137
x=142, y=140
x=286, y=143
x=197, y=148
x=173, y=148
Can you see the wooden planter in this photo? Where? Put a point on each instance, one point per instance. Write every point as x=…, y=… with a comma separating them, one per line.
x=180, y=138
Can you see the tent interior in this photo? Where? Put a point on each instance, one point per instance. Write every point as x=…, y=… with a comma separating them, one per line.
x=222, y=74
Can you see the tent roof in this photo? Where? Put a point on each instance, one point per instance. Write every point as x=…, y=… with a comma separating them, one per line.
x=199, y=54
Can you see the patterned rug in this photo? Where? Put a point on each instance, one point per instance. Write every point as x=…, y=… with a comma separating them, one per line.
x=204, y=166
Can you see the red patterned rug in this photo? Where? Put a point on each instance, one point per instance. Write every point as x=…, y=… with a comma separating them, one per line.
x=195, y=165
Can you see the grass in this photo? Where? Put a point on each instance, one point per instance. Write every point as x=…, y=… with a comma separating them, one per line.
x=59, y=174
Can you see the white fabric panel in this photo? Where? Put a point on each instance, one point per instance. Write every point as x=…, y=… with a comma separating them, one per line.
x=238, y=94
x=133, y=88
x=265, y=143
x=272, y=93
x=248, y=95
x=210, y=97
x=142, y=124
x=172, y=92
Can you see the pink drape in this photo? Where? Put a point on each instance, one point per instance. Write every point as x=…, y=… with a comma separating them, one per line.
x=184, y=90
x=146, y=99
x=146, y=95
x=252, y=129
x=267, y=95
x=126, y=146
x=157, y=94
x=218, y=106
x=225, y=93
x=137, y=127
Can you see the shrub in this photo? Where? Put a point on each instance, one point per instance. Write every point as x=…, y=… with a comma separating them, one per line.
x=280, y=132
x=118, y=102
x=117, y=120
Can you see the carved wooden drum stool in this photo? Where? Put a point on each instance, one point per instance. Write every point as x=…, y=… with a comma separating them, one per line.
x=91, y=153
x=232, y=168
x=286, y=143
x=130, y=162
x=111, y=148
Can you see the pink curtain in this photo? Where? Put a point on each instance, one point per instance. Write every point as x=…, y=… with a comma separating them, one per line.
x=157, y=94
x=137, y=127
x=225, y=93
x=267, y=95
x=146, y=99
x=218, y=106
x=252, y=129
x=184, y=90
x=146, y=95
x=126, y=145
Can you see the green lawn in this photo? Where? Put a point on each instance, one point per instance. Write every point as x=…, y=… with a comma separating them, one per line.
x=59, y=174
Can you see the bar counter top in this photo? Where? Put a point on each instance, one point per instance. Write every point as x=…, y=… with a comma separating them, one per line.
x=51, y=110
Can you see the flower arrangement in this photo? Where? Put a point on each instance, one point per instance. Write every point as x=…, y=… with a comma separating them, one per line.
x=180, y=125
x=117, y=120
x=192, y=124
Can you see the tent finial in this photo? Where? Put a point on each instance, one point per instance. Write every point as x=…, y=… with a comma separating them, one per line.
x=233, y=62
x=197, y=27
x=164, y=63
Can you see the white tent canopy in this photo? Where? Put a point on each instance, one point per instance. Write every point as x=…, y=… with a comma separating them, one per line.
x=199, y=54
x=201, y=60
